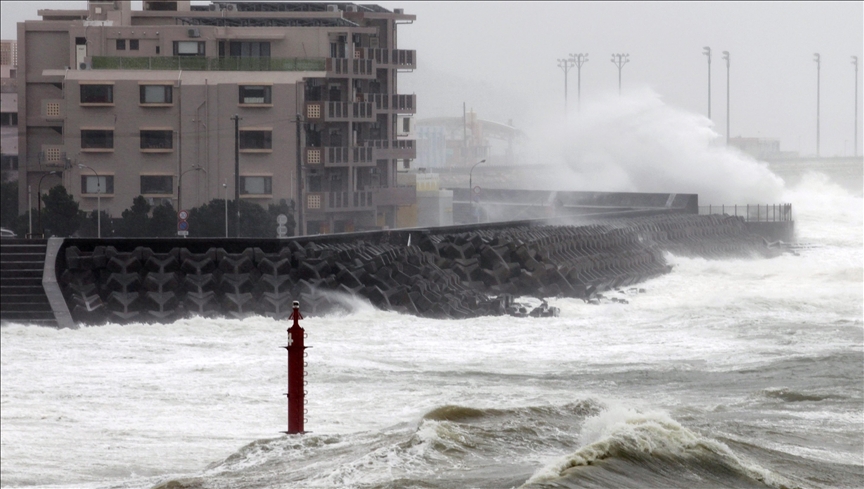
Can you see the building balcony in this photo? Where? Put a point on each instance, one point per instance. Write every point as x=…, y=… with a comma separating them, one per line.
x=401, y=149
x=339, y=156
x=200, y=63
x=400, y=104
x=404, y=59
x=353, y=67
x=339, y=201
x=406, y=195
x=340, y=111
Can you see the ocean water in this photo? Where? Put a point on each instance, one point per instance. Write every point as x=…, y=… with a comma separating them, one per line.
x=737, y=373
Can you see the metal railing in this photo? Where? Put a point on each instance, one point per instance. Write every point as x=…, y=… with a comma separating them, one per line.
x=751, y=212
x=200, y=63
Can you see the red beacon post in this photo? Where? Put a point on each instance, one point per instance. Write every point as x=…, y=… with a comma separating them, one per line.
x=296, y=393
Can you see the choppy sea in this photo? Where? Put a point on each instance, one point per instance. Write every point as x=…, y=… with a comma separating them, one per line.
x=737, y=373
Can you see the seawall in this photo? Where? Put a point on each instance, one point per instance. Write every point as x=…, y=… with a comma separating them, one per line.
x=452, y=272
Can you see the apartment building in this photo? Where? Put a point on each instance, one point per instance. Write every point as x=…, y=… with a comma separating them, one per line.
x=9, y=109
x=168, y=101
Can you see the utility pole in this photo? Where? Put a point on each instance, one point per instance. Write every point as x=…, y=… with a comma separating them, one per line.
x=818, y=61
x=622, y=59
x=707, y=52
x=566, y=65
x=580, y=59
x=301, y=202
x=855, y=62
x=726, y=57
x=236, y=119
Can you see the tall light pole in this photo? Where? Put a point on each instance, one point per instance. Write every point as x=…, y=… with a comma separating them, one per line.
x=855, y=62
x=225, y=191
x=566, y=65
x=236, y=119
x=180, y=184
x=98, y=199
x=471, y=187
x=39, y=200
x=818, y=61
x=620, y=60
x=726, y=57
x=707, y=52
x=580, y=59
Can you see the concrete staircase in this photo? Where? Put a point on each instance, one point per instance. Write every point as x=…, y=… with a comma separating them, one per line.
x=22, y=296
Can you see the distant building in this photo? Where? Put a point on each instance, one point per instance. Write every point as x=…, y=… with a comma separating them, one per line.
x=124, y=103
x=9, y=109
x=761, y=148
x=454, y=143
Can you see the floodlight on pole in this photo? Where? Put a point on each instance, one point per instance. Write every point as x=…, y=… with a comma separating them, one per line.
x=855, y=62
x=619, y=60
x=579, y=59
x=566, y=65
x=726, y=57
x=818, y=60
x=98, y=199
x=707, y=52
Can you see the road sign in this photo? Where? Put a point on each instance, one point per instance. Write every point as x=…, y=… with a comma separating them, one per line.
x=282, y=219
x=182, y=233
x=182, y=225
x=476, y=189
x=282, y=230
x=183, y=215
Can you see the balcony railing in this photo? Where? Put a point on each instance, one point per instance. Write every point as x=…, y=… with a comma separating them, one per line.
x=362, y=68
x=399, y=195
x=405, y=104
x=398, y=149
x=751, y=212
x=339, y=155
x=399, y=58
x=198, y=63
x=349, y=200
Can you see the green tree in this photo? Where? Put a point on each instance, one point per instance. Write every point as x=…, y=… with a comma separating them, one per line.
x=208, y=220
x=135, y=219
x=60, y=214
x=8, y=203
x=163, y=223
x=90, y=225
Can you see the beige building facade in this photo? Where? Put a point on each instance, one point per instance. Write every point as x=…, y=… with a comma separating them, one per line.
x=120, y=103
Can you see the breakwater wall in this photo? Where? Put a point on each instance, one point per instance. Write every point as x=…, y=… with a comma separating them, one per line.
x=455, y=272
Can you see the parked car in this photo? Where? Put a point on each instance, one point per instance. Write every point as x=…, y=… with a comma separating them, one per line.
x=7, y=233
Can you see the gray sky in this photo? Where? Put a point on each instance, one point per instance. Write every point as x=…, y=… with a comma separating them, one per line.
x=500, y=59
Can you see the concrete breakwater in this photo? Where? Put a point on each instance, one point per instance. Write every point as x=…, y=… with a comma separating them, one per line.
x=429, y=273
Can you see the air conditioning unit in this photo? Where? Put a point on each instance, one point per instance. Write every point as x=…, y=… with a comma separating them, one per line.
x=194, y=32
x=350, y=8
x=399, y=11
x=212, y=6
x=84, y=66
x=332, y=8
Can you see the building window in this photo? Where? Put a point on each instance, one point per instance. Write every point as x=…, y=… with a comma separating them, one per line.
x=121, y=44
x=249, y=49
x=155, y=94
x=256, y=139
x=9, y=162
x=255, y=94
x=52, y=109
x=91, y=184
x=97, y=94
x=189, y=48
x=157, y=139
x=256, y=185
x=313, y=201
x=133, y=44
x=51, y=155
x=9, y=119
x=313, y=111
x=97, y=139
x=157, y=184
x=313, y=156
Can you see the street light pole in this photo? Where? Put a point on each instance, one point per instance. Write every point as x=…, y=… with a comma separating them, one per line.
x=707, y=52
x=580, y=59
x=726, y=57
x=818, y=61
x=566, y=65
x=225, y=196
x=98, y=199
x=471, y=188
x=236, y=119
x=620, y=60
x=39, y=200
x=180, y=184
x=855, y=62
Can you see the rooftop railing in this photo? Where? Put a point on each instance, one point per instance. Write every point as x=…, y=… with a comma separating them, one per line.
x=751, y=212
x=199, y=63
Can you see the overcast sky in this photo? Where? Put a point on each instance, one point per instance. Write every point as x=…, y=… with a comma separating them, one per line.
x=500, y=58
